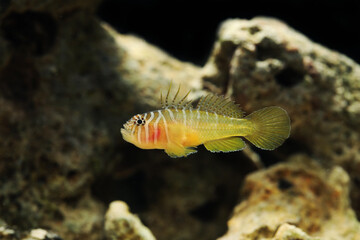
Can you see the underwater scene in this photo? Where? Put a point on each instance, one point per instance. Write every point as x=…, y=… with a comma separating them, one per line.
x=167, y=120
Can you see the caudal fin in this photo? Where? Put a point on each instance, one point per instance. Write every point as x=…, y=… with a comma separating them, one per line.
x=272, y=127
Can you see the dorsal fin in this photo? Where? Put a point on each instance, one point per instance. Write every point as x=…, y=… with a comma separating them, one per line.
x=220, y=105
x=174, y=103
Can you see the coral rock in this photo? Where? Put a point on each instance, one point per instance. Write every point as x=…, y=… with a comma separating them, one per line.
x=264, y=62
x=6, y=233
x=41, y=234
x=290, y=232
x=121, y=224
x=300, y=193
x=65, y=89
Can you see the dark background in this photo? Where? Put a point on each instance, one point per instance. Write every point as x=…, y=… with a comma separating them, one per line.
x=187, y=29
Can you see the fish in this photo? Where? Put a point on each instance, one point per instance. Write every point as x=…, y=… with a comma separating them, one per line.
x=216, y=122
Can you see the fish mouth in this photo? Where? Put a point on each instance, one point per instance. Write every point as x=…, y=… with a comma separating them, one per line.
x=125, y=134
x=124, y=131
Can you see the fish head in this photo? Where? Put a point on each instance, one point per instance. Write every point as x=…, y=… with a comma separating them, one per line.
x=131, y=128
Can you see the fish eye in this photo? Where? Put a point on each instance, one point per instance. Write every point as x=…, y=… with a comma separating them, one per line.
x=140, y=121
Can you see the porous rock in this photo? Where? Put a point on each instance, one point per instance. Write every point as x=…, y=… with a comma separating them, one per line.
x=290, y=232
x=122, y=224
x=298, y=192
x=65, y=90
x=41, y=234
x=6, y=233
x=264, y=62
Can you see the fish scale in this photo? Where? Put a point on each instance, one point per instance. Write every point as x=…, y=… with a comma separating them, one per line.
x=211, y=126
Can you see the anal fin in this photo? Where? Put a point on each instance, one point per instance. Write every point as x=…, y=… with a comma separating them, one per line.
x=230, y=144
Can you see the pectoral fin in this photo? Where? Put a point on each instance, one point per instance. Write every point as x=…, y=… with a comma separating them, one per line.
x=231, y=144
x=175, y=150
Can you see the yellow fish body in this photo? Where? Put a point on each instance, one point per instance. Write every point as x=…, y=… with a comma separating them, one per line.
x=216, y=122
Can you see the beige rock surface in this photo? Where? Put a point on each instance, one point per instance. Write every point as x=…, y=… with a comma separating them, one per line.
x=290, y=232
x=121, y=224
x=298, y=192
x=6, y=233
x=264, y=62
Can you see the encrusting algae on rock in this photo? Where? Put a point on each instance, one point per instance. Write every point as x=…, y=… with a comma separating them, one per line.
x=216, y=122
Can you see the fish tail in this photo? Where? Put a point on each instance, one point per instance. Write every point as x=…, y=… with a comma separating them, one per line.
x=271, y=127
